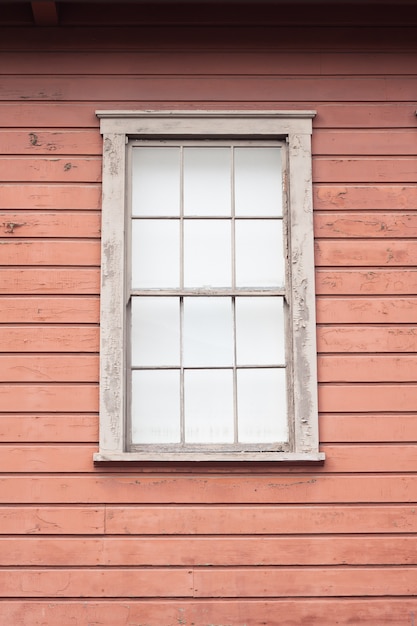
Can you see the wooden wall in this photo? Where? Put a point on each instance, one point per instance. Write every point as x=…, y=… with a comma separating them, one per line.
x=248, y=545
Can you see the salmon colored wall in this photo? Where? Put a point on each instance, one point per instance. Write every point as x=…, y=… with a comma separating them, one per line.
x=248, y=545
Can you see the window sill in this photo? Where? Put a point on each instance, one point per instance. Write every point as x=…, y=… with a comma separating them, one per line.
x=192, y=457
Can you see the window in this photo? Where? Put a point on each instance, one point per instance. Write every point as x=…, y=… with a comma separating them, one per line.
x=207, y=296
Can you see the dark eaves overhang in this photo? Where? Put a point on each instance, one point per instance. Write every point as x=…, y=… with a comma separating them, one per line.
x=46, y=12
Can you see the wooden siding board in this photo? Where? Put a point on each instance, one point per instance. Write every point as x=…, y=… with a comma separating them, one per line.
x=370, y=282
x=49, y=368
x=49, y=252
x=366, y=338
x=53, y=169
x=76, y=338
x=365, y=225
x=20, y=398
x=135, y=487
x=81, y=115
x=361, y=310
x=55, y=427
x=315, y=612
x=46, y=142
x=282, y=519
x=365, y=253
x=368, y=427
x=41, y=224
x=208, y=551
x=76, y=520
x=46, y=281
x=365, y=197
x=213, y=520
x=53, y=196
x=210, y=88
x=366, y=368
x=44, y=309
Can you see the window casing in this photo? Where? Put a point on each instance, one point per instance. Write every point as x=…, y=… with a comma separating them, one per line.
x=207, y=296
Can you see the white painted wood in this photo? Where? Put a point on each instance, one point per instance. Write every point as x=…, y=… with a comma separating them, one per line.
x=112, y=302
x=296, y=128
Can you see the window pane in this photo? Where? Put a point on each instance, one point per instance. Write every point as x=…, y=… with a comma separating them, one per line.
x=258, y=182
x=259, y=253
x=156, y=406
x=155, y=331
x=207, y=183
x=262, y=405
x=207, y=253
x=155, y=181
x=155, y=253
x=260, y=333
x=208, y=332
x=208, y=398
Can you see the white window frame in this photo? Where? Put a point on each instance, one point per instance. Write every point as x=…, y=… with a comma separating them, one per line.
x=117, y=128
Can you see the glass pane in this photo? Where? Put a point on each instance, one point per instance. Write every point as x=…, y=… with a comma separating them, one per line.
x=155, y=253
x=208, y=397
x=260, y=332
x=207, y=183
x=259, y=253
x=155, y=331
x=258, y=182
x=155, y=181
x=208, y=332
x=262, y=405
x=207, y=253
x=156, y=406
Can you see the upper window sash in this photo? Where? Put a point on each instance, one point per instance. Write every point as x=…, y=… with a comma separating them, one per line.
x=117, y=128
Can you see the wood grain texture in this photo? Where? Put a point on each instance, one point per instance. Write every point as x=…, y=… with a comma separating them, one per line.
x=209, y=88
x=54, y=196
x=208, y=551
x=51, y=169
x=315, y=612
x=361, y=309
x=49, y=339
x=44, y=309
x=365, y=225
x=18, y=224
x=50, y=142
x=55, y=427
x=50, y=252
x=49, y=368
x=46, y=281
x=141, y=487
x=364, y=197
x=213, y=520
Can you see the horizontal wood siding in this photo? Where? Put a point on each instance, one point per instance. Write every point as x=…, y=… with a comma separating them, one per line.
x=247, y=545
